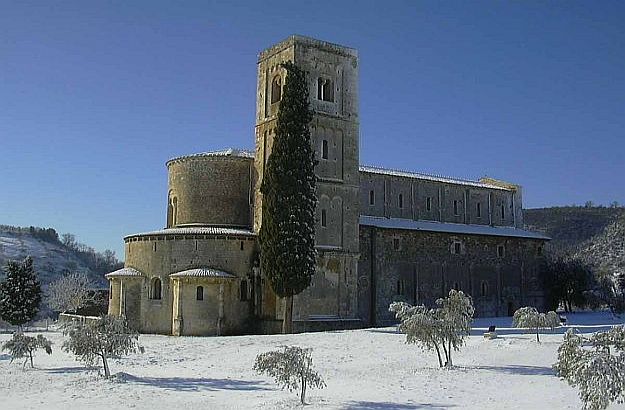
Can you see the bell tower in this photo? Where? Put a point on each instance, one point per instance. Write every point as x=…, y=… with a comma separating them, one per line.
x=332, y=74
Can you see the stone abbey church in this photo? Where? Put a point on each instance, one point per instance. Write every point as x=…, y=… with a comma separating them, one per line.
x=381, y=235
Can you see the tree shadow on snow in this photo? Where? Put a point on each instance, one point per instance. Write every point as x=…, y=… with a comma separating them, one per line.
x=76, y=369
x=195, y=384
x=386, y=330
x=377, y=405
x=520, y=370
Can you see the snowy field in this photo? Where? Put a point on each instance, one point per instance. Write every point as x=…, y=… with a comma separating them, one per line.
x=363, y=369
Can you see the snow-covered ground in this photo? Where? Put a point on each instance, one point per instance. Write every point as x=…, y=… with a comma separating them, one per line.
x=363, y=369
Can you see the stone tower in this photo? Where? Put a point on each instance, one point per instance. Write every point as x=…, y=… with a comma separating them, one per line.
x=332, y=72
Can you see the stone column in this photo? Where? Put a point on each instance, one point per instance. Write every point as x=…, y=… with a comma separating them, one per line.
x=177, y=306
x=122, y=305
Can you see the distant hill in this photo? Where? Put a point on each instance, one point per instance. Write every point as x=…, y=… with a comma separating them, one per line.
x=54, y=256
x=594, y=234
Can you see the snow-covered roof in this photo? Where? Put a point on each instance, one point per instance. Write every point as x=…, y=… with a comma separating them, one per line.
x=228, y=152
x=124, y=272
x=446, y=227
x=196, y=230
x=428, y=177
x=203, y=273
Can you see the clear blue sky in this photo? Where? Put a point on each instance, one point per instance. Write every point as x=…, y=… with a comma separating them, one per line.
x=95, y=96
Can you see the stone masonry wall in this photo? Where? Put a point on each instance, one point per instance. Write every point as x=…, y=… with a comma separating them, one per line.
x=212, y=190
x=418, y=267
x=414, y=201
x=159, y=256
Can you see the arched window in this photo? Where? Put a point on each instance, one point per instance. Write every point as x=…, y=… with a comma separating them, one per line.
x=156, y=289
x=199, y=293
x=484, y=289
x=325, y=89
x=276, y=89
x=456, y=247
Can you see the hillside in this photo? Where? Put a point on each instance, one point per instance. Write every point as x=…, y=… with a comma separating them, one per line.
x=606, y=250
x=52, y=257
x=594, y=234
x=570, y=226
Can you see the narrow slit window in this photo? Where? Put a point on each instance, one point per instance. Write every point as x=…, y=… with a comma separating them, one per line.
x=371, y=197
x=324, y=149
x=320, y=88
x=456, y=208
x=400, y=200
x=478, y=210
x=428, y=203
x=484, y=289
x=199, y=293
x=324, y=218
x=243, y=290
x=503, y=212
x=241, y=245
x=400, y=287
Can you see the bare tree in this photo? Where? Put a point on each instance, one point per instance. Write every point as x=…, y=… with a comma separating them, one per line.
x=70, y=292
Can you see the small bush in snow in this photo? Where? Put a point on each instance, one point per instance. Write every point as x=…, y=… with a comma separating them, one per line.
x=292, y=368
x=22, y=346
x=109, y=336
x=595, y=365
x=444, y=328
x=529, y=317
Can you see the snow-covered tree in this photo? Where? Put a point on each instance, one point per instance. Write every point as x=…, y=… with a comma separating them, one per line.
x=70, y=292
x=457, y=312
x=529, y=317
x=444, y=328
x=22, y=346
x=287, y=233
x=552, y=319
x=291, y=368
x=20, y=292
x=595, y=365
x=108, y=336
